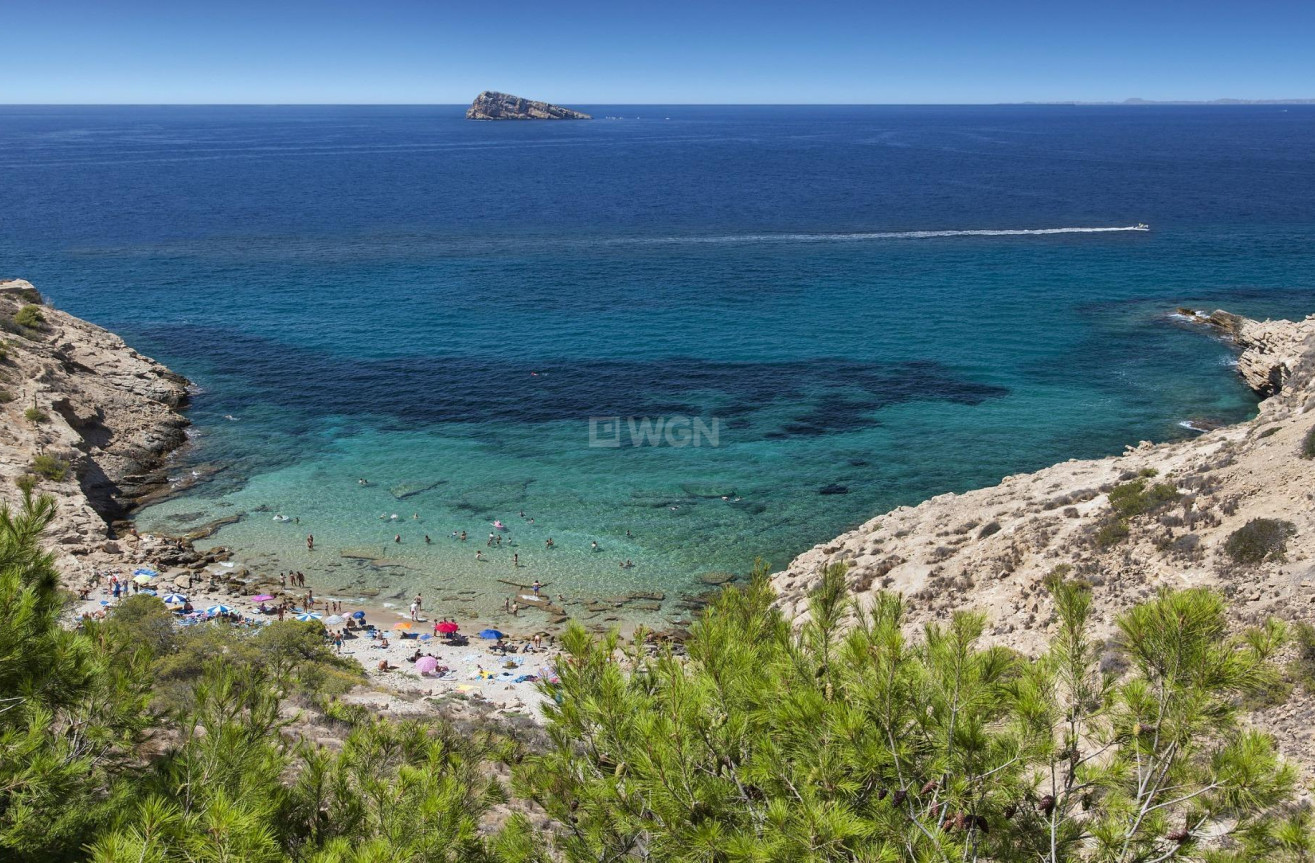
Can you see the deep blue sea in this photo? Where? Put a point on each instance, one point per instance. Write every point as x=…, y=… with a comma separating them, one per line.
x=440, y=306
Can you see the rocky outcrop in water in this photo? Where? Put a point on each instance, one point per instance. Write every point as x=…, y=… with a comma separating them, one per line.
x=492, y=105
x=74, y=397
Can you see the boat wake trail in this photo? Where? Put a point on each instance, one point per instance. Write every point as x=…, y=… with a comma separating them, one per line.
x=873, y=235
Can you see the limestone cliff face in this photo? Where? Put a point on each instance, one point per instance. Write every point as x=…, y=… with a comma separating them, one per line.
x=111, y=413
x=991, y=549
x=491, y=105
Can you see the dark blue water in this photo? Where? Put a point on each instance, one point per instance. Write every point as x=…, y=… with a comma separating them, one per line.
x=439, y=306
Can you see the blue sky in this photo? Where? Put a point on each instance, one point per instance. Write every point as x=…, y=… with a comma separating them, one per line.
x=445, y=51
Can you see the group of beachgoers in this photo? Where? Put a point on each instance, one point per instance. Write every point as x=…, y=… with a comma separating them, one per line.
x=495, y=539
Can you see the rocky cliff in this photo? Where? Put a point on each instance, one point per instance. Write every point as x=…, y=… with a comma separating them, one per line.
x=491, y=105
x=75, y=399
x=1168, y=523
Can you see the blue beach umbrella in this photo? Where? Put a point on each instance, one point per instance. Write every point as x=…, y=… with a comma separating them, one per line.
x=174, y=599
x=309, y=615
x=426, y=637
x=218, y=609
x=147, y=591
x=492, y=634
x=359, y=615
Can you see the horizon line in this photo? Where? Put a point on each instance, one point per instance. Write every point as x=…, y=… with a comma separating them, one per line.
x=1131, y=102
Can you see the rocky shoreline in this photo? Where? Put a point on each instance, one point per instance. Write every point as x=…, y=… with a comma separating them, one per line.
x=1174, y=509
x=91, y=422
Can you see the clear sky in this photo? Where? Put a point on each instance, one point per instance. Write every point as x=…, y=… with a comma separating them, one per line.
x=638, y=51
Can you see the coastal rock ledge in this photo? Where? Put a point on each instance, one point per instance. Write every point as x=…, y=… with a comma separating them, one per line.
x=492, y=105
x=98, y=418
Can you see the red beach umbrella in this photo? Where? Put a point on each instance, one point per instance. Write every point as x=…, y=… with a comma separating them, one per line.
x=448, y=627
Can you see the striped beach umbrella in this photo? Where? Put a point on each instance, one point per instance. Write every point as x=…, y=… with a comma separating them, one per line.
x=309, y=615
x=174, y=599
x=218, y=609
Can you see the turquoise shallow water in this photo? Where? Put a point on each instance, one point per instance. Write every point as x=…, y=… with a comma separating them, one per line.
x=440, y=307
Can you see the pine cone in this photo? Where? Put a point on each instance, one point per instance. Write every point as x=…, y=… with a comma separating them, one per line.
x=1047, y=804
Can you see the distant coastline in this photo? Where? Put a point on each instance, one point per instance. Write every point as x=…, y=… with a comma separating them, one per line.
x=1154, y=102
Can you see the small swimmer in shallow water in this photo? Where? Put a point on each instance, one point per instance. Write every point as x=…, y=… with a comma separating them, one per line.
x=362, y=481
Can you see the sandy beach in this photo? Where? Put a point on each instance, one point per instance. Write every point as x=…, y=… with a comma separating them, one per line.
x=473, y=670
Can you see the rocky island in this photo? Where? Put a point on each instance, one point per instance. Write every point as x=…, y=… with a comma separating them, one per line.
x=492, y=105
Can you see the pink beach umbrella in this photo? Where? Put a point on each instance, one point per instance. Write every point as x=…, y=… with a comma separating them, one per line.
x=426, y=664
x=264, y=597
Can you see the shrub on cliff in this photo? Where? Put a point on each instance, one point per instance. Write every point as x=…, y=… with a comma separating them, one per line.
x=849, y=740
x=6, y=397
x=54, y=469
x=30, y=317
x=71, y=716
x=1259, y=540
x=35, y=415
x=1302, y=668
x=1131, y=499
